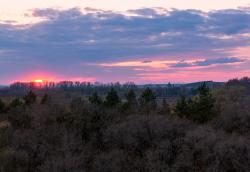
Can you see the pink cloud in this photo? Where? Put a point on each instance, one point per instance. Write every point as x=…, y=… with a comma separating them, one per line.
x=243, y=51
x=189, y=76
x=141, y=63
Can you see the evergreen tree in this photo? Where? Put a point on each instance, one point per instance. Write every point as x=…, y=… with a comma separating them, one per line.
x=95, y=99
x=147, y=102
x=201, y=109
x=131, y=97
x=30, y=98
x=147, y=96
x=131, y=102
x=181, y=108
x=112, y=99
x=204, y=105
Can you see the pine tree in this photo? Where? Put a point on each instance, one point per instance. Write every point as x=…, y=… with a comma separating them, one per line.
x=147, y=96
x=95, y=99
x=112, y=99
x=181, y=108
x=201, y=109
x=147, y=102
x=131, y=97
x=204, y=105
x=131, y=102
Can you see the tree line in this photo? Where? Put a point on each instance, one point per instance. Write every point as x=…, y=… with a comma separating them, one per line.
x=132, y=132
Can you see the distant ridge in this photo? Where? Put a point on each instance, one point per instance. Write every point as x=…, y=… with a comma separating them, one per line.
x=3, y=86
x=208, y=83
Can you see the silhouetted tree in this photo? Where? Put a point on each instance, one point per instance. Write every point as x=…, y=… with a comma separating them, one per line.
x=131, y=102
x=30, y=98
x=201, y=109
x=112, y=99
x=95, y=99
x=147, y=96
x=131, y=97
x=181, y=108
x=71, y=135
x=203, y=105
x=147, y=101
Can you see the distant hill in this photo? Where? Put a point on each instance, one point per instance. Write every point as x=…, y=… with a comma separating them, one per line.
x=3, y=86
x=194, y=85
x=210, y=84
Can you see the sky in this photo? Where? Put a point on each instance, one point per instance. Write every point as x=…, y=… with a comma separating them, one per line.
x=143, y=41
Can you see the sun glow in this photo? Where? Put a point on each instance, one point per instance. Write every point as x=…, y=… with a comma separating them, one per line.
x=38, y=81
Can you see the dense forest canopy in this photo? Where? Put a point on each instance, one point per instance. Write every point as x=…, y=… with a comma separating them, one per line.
x=93, y=127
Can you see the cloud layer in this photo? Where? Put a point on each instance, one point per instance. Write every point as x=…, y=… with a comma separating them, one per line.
x=78, y=43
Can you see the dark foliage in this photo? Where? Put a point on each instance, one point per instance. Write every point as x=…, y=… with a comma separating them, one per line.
x=147, y=96
x=95, y=99
x=30, y=98
x=71, y=133
x=112, y=98
x=45, y=99
x=131, y=97
x=182, y=108
x=164, y=108
x=147, y=101
x=15, y=103
x=201, y=109
x=2, y=106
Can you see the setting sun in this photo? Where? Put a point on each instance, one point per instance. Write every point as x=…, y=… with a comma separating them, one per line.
x=38, y=81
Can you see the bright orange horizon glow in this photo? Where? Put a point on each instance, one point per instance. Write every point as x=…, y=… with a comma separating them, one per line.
x=38, y=81
x=38, y=77
x=43, y=77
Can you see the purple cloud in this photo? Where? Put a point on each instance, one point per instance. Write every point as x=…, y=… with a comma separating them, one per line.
x=67, y=41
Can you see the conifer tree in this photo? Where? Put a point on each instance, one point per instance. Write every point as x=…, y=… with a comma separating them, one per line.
x=95, y=99
x=131, y=97
x=112, y=98
x=204, y=105
x=131, y=102
x=147, y=102
x=147, y=96
x=201, y=109
x=181, y=108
